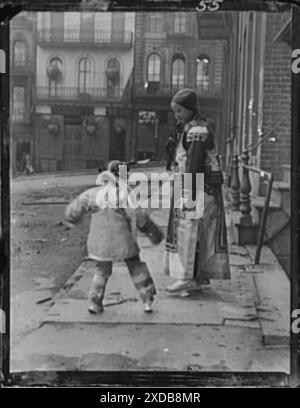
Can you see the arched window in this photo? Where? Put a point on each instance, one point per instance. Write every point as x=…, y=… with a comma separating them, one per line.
x=179, y=23
x=153, y=73
x=19, y=53
x=113, y=78
x=178, y=73
x=54, y=71
x=84, y=74
x=203, y=73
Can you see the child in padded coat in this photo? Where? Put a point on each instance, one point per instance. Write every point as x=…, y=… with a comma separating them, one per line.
x=112, y=235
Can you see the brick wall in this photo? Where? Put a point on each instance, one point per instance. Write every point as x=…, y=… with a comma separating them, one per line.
x=277, y=98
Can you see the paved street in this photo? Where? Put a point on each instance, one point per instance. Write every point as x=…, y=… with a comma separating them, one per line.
x=236, y=325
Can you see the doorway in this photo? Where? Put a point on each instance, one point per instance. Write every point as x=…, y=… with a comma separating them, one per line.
x=72, y=158
x=117, y=150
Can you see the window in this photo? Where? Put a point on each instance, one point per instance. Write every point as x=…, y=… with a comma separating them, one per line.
x=57, y=26
x=87, y=26
x=178, y=68
x=19, y=53
x=113, y=78
x=84, y=74
x=203, y=73
x=117, y=27
x=155, y=23
x=153, y=73
x=55, y=76
x=179, y=22
x=18, y=103
x=87, y=21
x=154, y=68
x=147, y=117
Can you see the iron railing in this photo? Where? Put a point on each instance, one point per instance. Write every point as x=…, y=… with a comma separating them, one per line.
x=80, y=95
x=157, y=89
x=90, y=36
x=241, y=196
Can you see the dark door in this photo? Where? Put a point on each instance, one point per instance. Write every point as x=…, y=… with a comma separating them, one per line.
x=117, y=143
x=73, y=157
x=146, y=141
x=23, y=148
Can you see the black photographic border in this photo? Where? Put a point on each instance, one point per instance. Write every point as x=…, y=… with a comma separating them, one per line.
x=133, y=379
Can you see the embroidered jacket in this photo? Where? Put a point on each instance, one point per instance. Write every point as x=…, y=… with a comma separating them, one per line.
x=196, y=151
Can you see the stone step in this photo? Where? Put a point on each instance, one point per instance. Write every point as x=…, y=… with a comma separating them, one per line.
x=280, y=192
x=282, y=186
x=259, y=202
x=258, y=205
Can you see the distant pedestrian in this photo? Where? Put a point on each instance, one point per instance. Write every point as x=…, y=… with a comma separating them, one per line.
x=28, y=165
x=170, y=147
x=113, y=235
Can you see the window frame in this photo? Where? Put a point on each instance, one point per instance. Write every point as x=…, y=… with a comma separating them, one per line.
x=154, y=54
x=155, y=23
x=54, y=84
x=18, y=112
x=180, y=23
x=114, y=89
x=86, y=73
x=178, y=85
x=204, y=84
x=24, y=59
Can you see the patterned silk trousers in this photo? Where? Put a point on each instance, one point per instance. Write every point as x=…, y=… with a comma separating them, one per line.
x=138, y=271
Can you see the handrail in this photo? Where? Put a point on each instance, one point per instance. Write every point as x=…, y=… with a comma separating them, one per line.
x=261, y=172
x=262, y=136
x=262, y=226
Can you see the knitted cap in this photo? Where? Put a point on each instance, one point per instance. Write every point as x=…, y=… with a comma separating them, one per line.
x=113, y=167
x=186, y=98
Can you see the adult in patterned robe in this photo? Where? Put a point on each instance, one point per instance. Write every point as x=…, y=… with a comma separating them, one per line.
x=196, y=248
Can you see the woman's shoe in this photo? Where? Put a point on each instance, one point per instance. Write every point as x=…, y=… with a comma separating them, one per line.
x=184, y=286
x=179, y=285
x=185, y=293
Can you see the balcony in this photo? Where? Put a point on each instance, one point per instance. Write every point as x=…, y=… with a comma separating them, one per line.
x=94, y=38
x=155, y=89
x=75, y=95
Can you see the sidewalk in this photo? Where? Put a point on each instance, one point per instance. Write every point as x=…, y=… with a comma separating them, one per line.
x=153, y=166
x=241, y=324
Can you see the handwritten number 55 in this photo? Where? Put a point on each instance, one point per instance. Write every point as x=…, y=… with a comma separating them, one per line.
x=210, y=5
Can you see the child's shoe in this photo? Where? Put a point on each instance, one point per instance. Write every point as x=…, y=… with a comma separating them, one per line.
x=95, y=306
x=148, y=307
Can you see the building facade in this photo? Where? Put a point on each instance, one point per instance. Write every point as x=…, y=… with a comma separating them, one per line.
x=262, y=123
x=262, y=97
x=173, y=51
x=23, y=66
x=84, y=69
